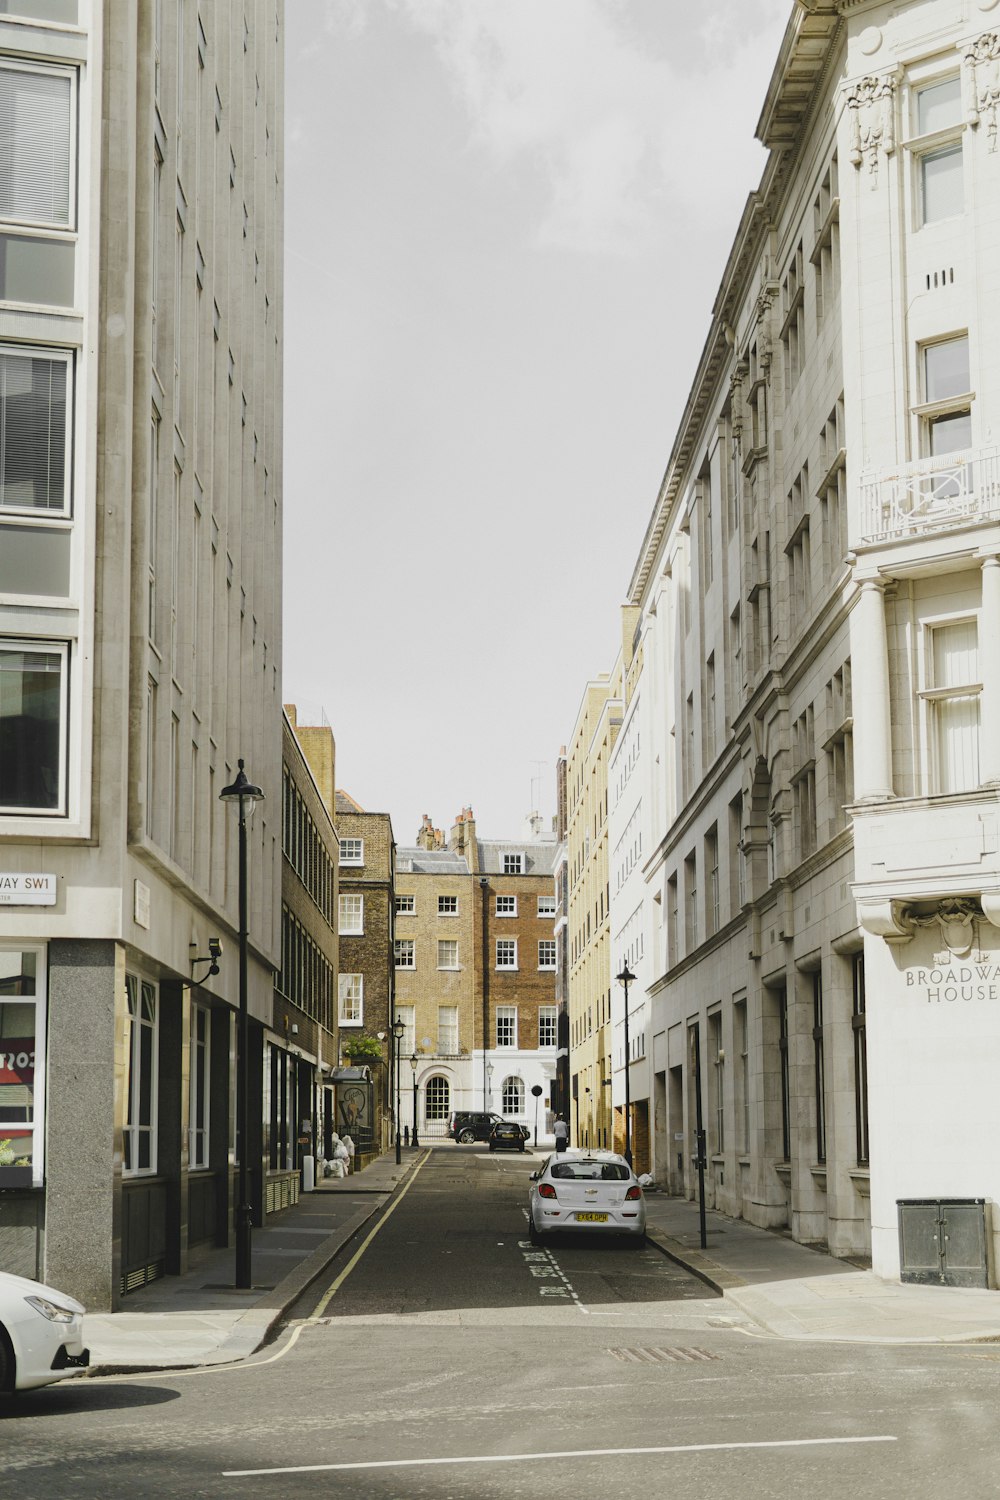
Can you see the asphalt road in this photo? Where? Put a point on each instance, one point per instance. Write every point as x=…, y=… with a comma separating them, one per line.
x=443, y=1356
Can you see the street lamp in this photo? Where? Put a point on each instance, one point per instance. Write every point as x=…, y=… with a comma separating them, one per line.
x=397, y=1036
x=625, y=978
x=244, y=794
x=413, y=1065
x=489, y=1088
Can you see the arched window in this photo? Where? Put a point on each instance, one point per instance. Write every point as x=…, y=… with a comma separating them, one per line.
x=513, y=1096
x=437, y=1098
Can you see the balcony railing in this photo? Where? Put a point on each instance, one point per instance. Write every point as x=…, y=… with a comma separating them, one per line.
x=931, y=494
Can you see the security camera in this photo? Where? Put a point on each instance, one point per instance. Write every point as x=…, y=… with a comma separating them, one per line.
x=215, y=949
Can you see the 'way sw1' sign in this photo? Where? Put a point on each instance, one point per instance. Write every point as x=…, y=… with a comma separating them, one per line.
x=27, y=890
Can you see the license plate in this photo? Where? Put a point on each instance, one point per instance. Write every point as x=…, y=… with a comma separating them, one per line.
x=591, y=1218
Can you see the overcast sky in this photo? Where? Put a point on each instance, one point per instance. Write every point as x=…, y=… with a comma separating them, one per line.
x=505, y=225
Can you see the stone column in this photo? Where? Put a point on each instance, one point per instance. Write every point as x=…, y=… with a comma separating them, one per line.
x=870, y=696
x=85, y=1103
x=989, y=671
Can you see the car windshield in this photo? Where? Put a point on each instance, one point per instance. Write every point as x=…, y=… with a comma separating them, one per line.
x=590, y=1171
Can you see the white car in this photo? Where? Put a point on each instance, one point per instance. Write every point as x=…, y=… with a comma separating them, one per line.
x=41, y=1335
x=592, y=1191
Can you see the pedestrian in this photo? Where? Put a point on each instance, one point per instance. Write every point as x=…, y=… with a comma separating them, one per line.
x=561, y=1132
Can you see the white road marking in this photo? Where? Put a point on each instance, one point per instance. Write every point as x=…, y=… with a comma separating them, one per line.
x=548, y=1455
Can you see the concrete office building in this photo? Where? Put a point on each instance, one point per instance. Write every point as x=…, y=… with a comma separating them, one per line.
x=140, y=619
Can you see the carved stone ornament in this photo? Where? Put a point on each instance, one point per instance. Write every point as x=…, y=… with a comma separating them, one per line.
x=873, y=129
x=886, y=919
x=981, y=79
x=958, y=921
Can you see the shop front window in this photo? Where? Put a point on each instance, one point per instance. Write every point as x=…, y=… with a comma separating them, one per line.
x=140, y=1128
x=21, y=1073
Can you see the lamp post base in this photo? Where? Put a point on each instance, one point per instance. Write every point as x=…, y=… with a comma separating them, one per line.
x=399, y=1149
x=244, y=1246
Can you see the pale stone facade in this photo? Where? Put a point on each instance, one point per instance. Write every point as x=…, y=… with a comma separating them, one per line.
x=821, y=571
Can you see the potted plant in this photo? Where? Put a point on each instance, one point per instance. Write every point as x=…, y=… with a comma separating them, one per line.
x=362, y=1049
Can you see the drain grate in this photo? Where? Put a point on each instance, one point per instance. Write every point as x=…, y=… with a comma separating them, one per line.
x=661, y=1356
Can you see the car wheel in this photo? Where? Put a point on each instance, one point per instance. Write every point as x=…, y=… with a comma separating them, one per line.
x=533, y=1234
x=8, y=1365
x=466, y=1137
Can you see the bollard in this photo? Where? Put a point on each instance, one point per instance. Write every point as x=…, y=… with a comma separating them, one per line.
x=406, y=1135
x=308, y=1173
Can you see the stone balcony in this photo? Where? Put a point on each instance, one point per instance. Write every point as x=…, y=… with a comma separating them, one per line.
x=931, y=494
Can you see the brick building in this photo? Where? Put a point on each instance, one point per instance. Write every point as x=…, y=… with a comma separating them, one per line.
x=366, y=922
x=476, y=973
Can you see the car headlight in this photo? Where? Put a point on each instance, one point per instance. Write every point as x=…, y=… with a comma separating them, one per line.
x=51, y=1310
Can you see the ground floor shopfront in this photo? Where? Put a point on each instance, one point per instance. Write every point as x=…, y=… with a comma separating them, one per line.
x=118, y=1139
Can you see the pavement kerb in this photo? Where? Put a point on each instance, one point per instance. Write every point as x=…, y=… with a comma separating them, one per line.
x=714, y=1276
x=252, y=1329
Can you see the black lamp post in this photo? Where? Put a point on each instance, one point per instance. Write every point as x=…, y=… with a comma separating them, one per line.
x=244, y=794
x=413, y=1065
x=397, y=1036
x=625, y=978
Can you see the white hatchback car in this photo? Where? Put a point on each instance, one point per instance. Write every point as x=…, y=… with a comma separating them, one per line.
x=592, y=1191
x=41, y=1335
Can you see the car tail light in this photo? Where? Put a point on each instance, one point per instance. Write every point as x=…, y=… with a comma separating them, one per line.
x=634, y=1192
x=546, y=1190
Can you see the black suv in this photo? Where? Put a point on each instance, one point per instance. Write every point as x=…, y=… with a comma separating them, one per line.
x=465, y=1125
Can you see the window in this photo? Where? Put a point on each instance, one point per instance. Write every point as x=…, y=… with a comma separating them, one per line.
x=951, y=699
x=36, y=164
x=717, y=1079
x=546, y=906
x=819, y=1066
x=350, y=999
x=22, y=1053
x=506, y=953
x=506, y=1025
x=513, y=864
x=512, y=1096
x=742, y=1076
x=408, y=1041
x=200, y=1091
x=437, y=1098
x=547, y=953
x=447, y=906
x=34, y=431
x=405, y=955
x=783, y=1065
x=141, y=1077
x=547, y=1026
x=506, y=906
x=405, y=906
x=352, y=915
x=33, y=728
x=860, y=1057
x=940, y=169
x=713, y=907
x=448, y=1030
x=352, y=851
x=447, y=955
x=948, y=403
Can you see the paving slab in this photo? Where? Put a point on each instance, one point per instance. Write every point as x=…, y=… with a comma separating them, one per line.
x=795, y=1291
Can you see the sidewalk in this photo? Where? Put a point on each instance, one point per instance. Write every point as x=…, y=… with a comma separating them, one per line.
x=793, y=1292
x=200, y=1318
x=787, y=1290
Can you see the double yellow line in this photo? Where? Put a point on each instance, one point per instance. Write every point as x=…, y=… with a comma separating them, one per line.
x=334, y=1288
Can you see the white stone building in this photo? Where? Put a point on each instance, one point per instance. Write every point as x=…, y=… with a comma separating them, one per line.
x=140, y=617
x=819, y=588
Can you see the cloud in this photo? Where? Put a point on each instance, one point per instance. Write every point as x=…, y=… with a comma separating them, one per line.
x=629, y=117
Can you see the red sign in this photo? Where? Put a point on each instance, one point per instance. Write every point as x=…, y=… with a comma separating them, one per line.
x=17, y=1059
